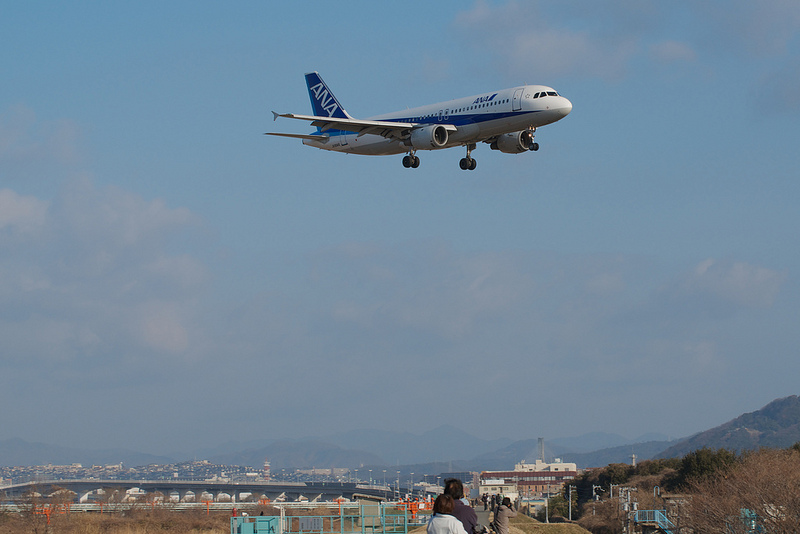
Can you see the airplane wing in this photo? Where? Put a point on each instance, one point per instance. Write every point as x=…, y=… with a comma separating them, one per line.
x=387, y=129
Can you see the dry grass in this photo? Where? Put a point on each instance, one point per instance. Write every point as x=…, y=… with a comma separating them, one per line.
x=143, y=521
x=523, y=524
x=134, y=522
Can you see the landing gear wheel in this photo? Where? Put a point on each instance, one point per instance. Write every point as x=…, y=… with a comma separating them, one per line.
x=410, y=161
x=467, y=164
x=535, y=147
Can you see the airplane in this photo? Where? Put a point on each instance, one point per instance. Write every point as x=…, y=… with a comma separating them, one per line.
x=506, y=120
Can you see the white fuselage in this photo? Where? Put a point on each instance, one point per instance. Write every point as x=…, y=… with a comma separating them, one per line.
x=476, y=118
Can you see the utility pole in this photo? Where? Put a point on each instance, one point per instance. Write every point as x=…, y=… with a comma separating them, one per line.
x=629, y=507
x=595, y=496
x=570, y=502
x=546, y=509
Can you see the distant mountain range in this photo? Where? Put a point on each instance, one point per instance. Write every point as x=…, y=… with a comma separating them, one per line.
x=440, y=450
x=775, y=425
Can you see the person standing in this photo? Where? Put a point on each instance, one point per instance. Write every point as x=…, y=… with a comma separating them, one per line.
x=463, y=512
x=442, y=521
x=502, y=514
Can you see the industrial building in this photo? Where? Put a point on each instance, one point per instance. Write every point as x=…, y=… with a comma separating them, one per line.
x=529, y=480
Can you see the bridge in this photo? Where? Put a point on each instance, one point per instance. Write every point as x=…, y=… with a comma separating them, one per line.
x=194, y=490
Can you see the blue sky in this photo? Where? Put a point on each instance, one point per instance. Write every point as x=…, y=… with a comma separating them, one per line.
x=171, y=278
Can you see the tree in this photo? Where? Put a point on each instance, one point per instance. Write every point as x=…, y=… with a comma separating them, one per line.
x=702, y=463
x=602, y=517
x=615, y=474
x=33, y=507
x=761, y=491
x=556, y=506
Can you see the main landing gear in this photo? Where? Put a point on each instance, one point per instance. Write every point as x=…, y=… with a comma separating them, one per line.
x=467, y=163
x=410, y=161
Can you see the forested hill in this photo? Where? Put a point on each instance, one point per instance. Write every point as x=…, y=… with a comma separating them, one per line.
x=775, y=425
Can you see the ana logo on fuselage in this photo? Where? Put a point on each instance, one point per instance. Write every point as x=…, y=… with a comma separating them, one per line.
x=325, y=99
x=482, y=99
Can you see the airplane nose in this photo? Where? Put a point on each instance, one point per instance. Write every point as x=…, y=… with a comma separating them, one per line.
x=565, y=108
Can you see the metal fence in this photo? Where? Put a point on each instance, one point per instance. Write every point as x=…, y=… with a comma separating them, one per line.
x=378, y=518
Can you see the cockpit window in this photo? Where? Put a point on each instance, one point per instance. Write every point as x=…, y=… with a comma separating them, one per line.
x=552, y=93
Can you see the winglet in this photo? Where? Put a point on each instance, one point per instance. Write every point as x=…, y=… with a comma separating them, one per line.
x=274, y=116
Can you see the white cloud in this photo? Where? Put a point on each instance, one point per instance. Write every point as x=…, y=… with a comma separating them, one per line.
x=782, y=86
x=522, y=37
x=96, y=276
x=673, y=52
x=759, y=29
x=116, y=218
x=735, y=282
x=20, y=213
x=438, y=290
x=163, y=327
x=26, y=140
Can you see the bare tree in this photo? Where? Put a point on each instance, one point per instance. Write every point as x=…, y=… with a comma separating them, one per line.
x=602, y=517
x=760, y=493
x=35, y=511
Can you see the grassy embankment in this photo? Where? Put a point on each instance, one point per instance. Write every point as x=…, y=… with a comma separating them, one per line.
x=526, y=525
x=163, y=522
x=137, y=522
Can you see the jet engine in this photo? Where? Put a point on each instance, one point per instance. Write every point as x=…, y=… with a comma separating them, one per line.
x=429, y=137
x=514, y=142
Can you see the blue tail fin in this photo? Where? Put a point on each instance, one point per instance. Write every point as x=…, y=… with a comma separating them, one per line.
x=323, y=102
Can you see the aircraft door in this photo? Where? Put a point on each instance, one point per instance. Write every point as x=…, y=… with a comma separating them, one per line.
x=516, y=102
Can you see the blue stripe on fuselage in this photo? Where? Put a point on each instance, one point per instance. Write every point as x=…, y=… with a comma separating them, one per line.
x=461, y=119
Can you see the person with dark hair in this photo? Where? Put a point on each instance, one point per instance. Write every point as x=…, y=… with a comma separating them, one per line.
x=463, y=512
x=502, y=514
x=442, y=521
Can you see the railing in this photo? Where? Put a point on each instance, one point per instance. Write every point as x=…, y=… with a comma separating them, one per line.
x=654, y=517
x=383, y=518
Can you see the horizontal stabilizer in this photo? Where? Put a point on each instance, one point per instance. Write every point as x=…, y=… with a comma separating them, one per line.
x=321, y=138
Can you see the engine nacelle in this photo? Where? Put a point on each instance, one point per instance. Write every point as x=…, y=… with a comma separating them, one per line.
x=514, y=142
x=429, y=137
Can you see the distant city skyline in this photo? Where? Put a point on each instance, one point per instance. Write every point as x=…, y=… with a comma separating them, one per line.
x=172, y=278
